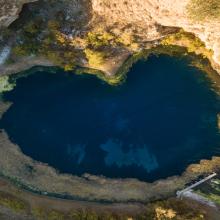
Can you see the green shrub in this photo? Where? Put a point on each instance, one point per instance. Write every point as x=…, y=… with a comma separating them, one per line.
x=5, y=84
x=95, y=58
x=97, y=40
x=188, y=40
x=47, y=41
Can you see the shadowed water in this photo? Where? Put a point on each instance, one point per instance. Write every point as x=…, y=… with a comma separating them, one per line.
x=163, y=118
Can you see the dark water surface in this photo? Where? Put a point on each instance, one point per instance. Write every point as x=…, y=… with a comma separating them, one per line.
x=163, y=118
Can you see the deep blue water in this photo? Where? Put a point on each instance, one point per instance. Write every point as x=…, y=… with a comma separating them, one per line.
x=163, y=118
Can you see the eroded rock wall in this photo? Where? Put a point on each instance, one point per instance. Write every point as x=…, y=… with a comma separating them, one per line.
x=9, y=10
x=147, y=20
x=143, y=17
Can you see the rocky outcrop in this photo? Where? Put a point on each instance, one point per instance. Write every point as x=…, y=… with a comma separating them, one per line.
x=9, y=10
x=146, y=18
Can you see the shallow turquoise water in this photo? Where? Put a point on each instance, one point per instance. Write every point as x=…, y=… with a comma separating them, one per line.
x=163, y=118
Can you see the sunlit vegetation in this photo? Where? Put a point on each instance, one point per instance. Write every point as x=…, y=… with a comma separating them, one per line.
x=211, y=196
x=49, y=39
x=128, y=40
x=99, y=39
x=100, y=46
x=96, y=47
x=46, y=41
x=165, y=210
x=12, y=202
x=171, y=209
x=121, y=75
x=210, y=190
x=95, y=58
x=190, y=41
x=201, y=10
x=60, y=49
x=162, y=213
x=5, y=84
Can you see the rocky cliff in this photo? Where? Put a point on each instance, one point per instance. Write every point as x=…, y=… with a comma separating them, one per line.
x=146, y=17
x=9, y=10
x=102, y=33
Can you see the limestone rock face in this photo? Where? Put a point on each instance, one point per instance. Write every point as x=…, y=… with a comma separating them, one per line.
x=145, y=16
x=148, y=20
x=9, y=10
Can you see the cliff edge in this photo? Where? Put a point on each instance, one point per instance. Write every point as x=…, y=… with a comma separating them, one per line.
x=9, y=10
x=101, y=34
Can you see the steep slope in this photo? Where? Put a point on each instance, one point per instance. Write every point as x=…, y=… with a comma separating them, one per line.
x=101, y=34
x=143, y=17
x=9, y=10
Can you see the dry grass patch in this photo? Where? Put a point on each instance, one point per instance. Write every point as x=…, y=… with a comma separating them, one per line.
x=200, y=10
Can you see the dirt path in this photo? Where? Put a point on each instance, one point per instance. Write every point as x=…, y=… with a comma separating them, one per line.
x=63, y=205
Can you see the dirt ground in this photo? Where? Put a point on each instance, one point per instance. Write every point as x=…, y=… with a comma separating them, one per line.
x=35, y=204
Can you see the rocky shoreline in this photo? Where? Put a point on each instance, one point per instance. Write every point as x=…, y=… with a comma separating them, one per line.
x=159, y=21
x=44, y=180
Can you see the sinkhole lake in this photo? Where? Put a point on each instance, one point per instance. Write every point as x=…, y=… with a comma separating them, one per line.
x=162, y=119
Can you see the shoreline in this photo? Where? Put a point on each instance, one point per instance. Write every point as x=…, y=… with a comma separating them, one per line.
x=45, y=180
x=157, y=190
x=40, y=207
